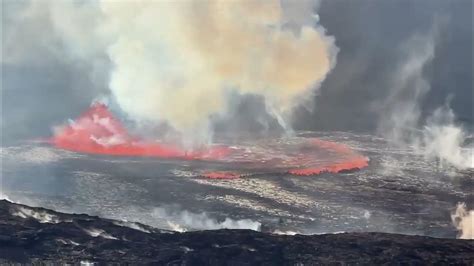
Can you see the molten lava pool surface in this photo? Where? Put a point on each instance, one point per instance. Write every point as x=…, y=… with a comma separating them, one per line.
x=97, y=131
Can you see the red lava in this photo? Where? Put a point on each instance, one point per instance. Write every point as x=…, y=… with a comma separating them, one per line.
x=97, y=131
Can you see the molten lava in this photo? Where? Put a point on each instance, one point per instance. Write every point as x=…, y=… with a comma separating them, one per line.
x=97, y=131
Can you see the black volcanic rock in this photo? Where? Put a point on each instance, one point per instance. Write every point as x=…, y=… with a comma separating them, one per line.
x=32, y=235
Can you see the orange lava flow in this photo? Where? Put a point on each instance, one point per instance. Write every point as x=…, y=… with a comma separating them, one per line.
x=356, y=161
x=353, y=164
x=97, y=131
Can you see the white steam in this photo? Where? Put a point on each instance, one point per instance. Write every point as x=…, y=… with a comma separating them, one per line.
x=401, y=110
x=182, y=221
x=463, y=220
x=444, y=140
x=438, y=137
x=179, y=62
x=40, y=216
x=96, y=232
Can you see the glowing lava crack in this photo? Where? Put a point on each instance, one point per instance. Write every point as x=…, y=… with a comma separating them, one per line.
x=97, y=131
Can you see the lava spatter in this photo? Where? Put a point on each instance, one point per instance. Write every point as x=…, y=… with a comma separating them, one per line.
x=97, y=131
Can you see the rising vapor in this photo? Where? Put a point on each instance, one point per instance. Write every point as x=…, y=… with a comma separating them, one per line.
x=438, y=137
x=400, y=116
x=182, y=220
x=178, y=62
x=443, y=139
x=463, y=220
x=182, y=63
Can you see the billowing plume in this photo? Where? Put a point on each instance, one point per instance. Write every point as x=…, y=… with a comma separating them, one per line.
x=177, y=62
x=180, y=63
x=463, y=220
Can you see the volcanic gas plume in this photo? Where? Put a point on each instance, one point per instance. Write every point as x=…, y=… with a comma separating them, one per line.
x=182, y=63
x=97, y=131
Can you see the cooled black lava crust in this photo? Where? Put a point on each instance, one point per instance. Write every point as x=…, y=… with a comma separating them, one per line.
x=67, y=238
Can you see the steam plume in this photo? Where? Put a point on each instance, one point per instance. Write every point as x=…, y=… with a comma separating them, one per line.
x=180, y=63
x=401, y=110
x=463, y=220
x=443, y=139
x=184, y=220
x=177, y=61
x=436, y=138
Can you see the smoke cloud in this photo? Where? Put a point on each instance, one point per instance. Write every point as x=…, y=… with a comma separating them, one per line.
x=463, y=220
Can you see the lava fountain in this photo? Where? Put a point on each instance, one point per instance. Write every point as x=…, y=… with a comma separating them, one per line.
x=97, y=131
